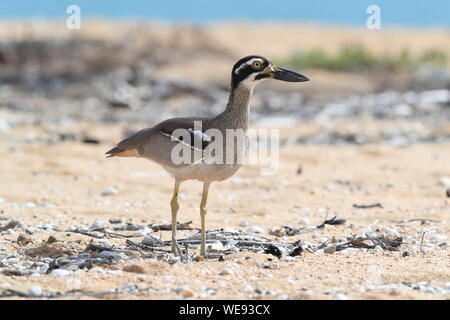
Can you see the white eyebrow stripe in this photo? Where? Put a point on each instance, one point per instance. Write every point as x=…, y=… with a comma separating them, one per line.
x=247, y=63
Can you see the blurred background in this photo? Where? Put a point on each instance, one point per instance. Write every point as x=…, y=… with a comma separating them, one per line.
x=135, y=63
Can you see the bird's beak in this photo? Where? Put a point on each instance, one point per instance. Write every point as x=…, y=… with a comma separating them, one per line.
x=284, y=74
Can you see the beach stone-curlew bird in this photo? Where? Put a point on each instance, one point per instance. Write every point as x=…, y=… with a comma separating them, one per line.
x=207, y=149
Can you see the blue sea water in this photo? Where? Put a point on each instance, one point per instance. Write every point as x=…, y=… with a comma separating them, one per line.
x=353, y=12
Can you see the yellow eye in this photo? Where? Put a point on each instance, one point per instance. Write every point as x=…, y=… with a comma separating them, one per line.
x=256, y=65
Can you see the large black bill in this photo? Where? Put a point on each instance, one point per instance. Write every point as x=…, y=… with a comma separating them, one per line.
x=288, y=75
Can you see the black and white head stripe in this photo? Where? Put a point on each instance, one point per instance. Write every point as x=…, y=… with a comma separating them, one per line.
x=248, y=68
x=249, y=63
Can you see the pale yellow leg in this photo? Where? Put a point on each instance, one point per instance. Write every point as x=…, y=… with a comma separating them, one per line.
x=174, y=206
x=203, y=211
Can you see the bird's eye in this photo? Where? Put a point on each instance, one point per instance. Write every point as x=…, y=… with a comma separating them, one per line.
x=256, y=65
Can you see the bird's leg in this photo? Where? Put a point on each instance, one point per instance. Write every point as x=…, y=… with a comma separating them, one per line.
x=203, y=211
x=174, y=206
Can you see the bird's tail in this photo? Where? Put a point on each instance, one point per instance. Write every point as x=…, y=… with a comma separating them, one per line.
x=113, y=152
x=118, y=152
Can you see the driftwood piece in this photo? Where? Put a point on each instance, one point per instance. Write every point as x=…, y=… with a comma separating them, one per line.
x=10, y=225
x=145, y=247
x=368, y=206
x=168, y=227
x=235, y=240
x=332, y=221
x=292, y=231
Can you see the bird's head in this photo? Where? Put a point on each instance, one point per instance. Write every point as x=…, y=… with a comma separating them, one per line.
x=251, y=70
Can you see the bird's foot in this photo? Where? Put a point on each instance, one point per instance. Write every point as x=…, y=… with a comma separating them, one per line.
x=176, y=250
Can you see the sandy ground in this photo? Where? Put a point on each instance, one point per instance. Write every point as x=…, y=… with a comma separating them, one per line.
x=71, y=176
x=405, y=180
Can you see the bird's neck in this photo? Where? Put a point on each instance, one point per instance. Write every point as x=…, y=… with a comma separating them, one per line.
x=237, y=111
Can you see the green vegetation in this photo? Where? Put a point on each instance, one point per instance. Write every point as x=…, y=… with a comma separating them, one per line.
x=356, y=57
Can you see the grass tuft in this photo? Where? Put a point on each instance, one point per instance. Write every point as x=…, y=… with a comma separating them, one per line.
x=355, y=57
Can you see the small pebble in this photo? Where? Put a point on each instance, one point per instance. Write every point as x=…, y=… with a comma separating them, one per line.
x=134, y=268
x=35, y=291
x=97, y=225
x=31, y=230
x=13, y=261
x=129, y=288
x=378, y=249
x=23, y=239
x=307, y=294
x=187, y=293
x=60, y=273
x=243, y=223
x=4, y=126
x=172, y=259
x=109, y=191
x=255, y=229
x=308, y=229
x=47, y=226
x=230, y=230
x=330, y=249
x=104, y=242
x=340, y=296
x=262, y=265
x=84, y=255
x=445, y=181
x=350, y=251
x=288, y=259
x=28, y=205
x=115, y=221
x=180, y=289
x=141, y=277
x=97, y=270
x=304, y=221
x=215, y=246
x=248, y=288
x=47, y=205
x=51, y=239
x=10, y=225
x=46, y=260
x=226, y=271
x=151, y=241
x=391, y=231
x=438, y=237
x=114, y=255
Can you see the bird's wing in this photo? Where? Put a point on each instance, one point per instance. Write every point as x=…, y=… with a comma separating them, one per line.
x=193, y=126
x=158, y=142
x=128, y=146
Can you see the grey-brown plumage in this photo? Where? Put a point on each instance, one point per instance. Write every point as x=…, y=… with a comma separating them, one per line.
x=160, y=143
